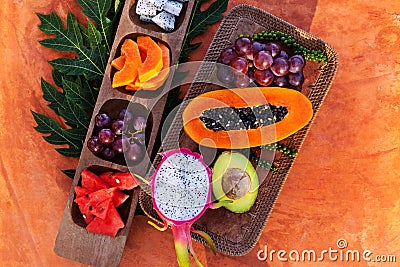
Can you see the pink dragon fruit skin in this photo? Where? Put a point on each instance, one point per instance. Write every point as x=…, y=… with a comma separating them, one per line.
x=181, y=228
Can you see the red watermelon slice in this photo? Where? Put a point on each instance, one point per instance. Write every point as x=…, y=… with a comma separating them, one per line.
x=101, y=209
x=110, y=225
x=92, y=182
x=80, y=191
x=120, y=180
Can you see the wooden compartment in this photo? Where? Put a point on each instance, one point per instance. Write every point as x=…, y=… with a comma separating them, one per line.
x=73, y=241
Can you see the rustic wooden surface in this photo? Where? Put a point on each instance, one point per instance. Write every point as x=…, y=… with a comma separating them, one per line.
x=344, y=183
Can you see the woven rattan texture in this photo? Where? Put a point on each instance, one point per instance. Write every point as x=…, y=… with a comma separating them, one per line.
x=270, y=189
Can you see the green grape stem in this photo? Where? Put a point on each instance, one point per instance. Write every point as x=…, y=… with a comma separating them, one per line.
x=289, y=41
x=284, y=149
x=263, y=163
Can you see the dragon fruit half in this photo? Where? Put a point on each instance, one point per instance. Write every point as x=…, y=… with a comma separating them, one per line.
x=181, y=193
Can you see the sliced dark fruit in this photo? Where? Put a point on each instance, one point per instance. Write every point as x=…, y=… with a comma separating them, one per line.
x=235, y=182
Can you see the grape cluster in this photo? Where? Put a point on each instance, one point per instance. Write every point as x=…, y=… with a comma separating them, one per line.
x=265, y=63
x=108, y=140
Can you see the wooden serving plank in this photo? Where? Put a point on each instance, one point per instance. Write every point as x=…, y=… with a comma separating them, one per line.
x=236, y=234
x=73, y=241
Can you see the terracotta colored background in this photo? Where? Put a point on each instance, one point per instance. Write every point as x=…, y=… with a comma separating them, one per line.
x=344, y=184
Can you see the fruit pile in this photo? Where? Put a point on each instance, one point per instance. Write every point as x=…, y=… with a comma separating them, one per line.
x=99, y=197
x=160, y=12
x=142, y=65
x=108, y=139
x=265, y=63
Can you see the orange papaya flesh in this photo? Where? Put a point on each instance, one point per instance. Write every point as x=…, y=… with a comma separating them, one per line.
x=119, y=62
x=129, y=72
x=153, y=62
x=299, y=114
x=156, y=82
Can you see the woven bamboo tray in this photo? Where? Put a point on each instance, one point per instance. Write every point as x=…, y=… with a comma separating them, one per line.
x=73, y=241
x=236, y=234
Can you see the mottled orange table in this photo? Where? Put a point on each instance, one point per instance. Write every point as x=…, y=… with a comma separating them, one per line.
x=344, y=184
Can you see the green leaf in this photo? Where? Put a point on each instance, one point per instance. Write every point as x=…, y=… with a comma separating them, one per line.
x=57, y=135
x=74, y=115
x=97, y=10
x=52, y=95
x=90, y=61
x=198, y=22
x=69, y=173
x=78, y=94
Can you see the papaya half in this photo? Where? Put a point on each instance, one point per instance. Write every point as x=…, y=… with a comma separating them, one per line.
x=272, y=114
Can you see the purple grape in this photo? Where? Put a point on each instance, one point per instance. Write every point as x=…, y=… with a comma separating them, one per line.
x=296, y=64
x=227, y=55
x=280, y=67
x=243, y=46
x=140, y=137
x=281, y=81
x=242, y=81
x=296, y=79
x=106, y=136
x=283, y=54
x=94, y=145
x=263, y=77
x=300, y=57
x=139, y=123
x=240, y=64
x=126, y=115
x=273, y=48
x=102, y=120
x=225, y=74
x=263, y=60
x=120, y=144
x=250, y=74
x=108, y=153
x=118, y=126
x=135, y=153
x=257, y=47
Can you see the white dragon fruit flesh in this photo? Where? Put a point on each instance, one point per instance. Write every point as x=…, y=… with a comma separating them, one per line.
x=181, y=193
x=165, y=21
x=159, y=4
x=145, y=18
x=143, y=7
x=173, y=7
